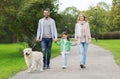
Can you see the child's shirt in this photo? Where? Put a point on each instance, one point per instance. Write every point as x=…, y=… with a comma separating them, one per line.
x=65, y=45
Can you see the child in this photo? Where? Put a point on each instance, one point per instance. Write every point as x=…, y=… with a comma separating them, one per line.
x=65, y=46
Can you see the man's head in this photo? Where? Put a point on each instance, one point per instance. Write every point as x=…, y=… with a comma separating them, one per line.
x=46, y=12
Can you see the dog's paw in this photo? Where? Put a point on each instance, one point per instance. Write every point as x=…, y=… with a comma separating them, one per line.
x=41, y=69
x=29, y=70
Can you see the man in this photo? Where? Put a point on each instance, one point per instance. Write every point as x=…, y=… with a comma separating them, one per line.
x=46, y=32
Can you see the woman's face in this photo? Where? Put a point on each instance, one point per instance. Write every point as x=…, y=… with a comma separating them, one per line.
x=81, y=18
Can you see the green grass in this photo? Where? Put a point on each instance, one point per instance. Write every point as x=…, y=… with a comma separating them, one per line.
x=12, y=61
x=55, y=50
x=111, y=45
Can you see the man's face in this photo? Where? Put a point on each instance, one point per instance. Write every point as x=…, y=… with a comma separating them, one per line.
x=46, y=14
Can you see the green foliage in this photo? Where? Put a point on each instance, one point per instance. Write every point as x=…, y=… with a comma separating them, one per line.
x=69, y=19
x=115, y=18
x=8, y=10
x=111, y=45
x=98, y=18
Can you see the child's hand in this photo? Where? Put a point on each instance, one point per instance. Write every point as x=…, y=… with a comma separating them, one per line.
x=75, y=43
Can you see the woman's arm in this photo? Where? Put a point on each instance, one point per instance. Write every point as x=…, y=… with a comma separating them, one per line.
x=76, y=37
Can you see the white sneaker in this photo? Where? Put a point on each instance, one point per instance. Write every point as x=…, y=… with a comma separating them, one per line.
x=64, y=67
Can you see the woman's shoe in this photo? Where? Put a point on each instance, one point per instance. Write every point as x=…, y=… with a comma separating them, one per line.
x=82, y=66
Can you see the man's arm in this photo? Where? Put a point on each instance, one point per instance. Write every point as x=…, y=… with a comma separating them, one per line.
x=55, y=31
x=38, y=32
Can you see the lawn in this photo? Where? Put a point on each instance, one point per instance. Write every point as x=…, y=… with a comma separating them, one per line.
x=12, y=61
x=113, y=46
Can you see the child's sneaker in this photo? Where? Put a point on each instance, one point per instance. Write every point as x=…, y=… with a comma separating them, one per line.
x=64, y=67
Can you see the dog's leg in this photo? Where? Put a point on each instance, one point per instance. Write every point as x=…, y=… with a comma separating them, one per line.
x=41, y=65
x=33, y=66
x=28, y=66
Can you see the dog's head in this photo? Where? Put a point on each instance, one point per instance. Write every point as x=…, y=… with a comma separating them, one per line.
x=27, y=51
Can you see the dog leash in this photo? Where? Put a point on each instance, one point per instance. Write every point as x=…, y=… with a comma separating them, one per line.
x=34, y=45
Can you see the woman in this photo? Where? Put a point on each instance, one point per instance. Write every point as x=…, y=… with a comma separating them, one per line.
x=82, y=37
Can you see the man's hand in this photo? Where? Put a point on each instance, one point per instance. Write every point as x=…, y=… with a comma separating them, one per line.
x=38, y=40
x=55, y=40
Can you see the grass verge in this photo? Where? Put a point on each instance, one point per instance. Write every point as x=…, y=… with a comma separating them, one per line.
x=113, y=46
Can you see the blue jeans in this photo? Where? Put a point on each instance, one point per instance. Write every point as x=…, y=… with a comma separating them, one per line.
x=46, y=45
x=83, y=51
x=64, y=59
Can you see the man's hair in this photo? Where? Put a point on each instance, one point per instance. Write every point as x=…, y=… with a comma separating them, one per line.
x=47, y=9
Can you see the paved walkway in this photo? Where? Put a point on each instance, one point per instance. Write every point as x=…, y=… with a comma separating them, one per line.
x=100, y=65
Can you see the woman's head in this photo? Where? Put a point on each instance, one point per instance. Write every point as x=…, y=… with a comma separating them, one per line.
x=81, y=17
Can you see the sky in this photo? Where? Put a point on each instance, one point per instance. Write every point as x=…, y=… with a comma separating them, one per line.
x=80, y=4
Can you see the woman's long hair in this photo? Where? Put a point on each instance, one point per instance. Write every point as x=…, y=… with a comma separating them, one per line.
x=78, y=19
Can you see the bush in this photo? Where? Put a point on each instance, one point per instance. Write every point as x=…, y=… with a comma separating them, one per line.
x=110, y=35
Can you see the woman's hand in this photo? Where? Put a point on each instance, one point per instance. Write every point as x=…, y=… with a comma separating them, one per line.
x=89, y=41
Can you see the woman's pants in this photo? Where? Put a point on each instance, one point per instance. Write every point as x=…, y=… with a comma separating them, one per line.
x=83, y=51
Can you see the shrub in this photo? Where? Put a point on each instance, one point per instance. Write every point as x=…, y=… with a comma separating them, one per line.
x=109, y=35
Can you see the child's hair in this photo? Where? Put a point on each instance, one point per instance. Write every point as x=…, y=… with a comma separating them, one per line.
x=66, y=33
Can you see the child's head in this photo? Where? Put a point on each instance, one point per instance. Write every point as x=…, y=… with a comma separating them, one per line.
x=65, y=35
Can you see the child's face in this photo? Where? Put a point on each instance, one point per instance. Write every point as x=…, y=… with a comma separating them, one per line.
x=64, y=36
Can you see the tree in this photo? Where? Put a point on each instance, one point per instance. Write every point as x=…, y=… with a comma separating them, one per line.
x=115, y=16
x=69, y=18
x=98, y=18
x=8, y=10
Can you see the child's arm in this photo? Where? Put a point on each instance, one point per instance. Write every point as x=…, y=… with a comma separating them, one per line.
x=58, y=43
x=73, y=44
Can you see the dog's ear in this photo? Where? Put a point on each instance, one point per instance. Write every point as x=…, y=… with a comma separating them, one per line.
x=30, y=49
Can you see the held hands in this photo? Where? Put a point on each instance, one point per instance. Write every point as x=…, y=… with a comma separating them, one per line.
x=55, y=40
x=75, y=43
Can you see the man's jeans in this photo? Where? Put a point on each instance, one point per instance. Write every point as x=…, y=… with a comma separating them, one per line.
x=46, y=45
x=83, y=51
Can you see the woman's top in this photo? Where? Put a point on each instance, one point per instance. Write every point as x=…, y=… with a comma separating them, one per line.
x=82, y=32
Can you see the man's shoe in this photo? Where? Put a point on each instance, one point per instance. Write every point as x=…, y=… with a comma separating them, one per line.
x=44, y=68
x=48, y=67
x=63, y=67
